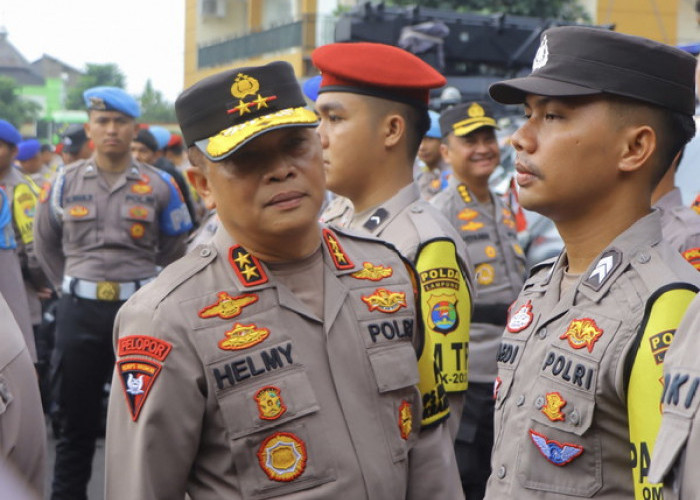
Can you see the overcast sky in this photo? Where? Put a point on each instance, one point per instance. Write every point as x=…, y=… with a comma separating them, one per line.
x=144, y=38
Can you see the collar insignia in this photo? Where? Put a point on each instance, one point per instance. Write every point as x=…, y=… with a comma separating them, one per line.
x=443, y=313
x=340, y=258
x=692, y=255
x=405, y=419
x=582, y=333
x=605, y=266
x=464, y=193
x=247, y=267
x=137, y=377
x=521, y=319
x=282, y=456
x=376, y=219
x=385, y=301
x=554, y=451
x=244, y=86
x=242, y=337
x=270, y=404
x=553, y=405
x=227, y=307
x=372, y=273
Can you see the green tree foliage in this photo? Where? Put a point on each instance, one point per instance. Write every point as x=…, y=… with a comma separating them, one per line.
x=155, y=109
x=568, y=10
x=13, y=107
x=95, y=75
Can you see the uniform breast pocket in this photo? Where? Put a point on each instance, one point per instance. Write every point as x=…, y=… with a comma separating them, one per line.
x=80, y=223
x=276, y=438
x=560, y=451
x=396, y=373
x=139, y=223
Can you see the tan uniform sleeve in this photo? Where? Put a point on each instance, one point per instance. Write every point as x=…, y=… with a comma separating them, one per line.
x=432, y=466
x=152, y=447
x=48, y=235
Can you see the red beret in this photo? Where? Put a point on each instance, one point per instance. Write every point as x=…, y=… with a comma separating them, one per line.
x=175, y=140
x=376, y=69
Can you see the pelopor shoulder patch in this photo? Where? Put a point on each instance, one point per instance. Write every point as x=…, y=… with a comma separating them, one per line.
x=137, y=377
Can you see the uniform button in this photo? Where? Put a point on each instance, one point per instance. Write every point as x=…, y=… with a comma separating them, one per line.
x=520, y=400
x=205, y=252
x=416, y=209
x=643, y=258
x=574, y=418
x=539, y=402
x=542, y=333
x=501, y=472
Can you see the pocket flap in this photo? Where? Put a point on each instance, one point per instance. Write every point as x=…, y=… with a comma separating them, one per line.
x=395, y=367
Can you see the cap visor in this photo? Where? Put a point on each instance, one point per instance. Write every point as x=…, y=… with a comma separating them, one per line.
x=228, y=141
x=514, y=91
x=474, y=124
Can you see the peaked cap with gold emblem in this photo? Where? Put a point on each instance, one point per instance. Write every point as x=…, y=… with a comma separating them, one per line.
x=465, y=118
x=578, y=61
x=223, y=112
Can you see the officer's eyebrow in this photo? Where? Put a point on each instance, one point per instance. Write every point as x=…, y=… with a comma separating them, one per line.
x=329, y=106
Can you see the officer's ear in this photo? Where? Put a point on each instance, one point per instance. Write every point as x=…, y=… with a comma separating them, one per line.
x=393, y=129
x=638, y=147
x=445, y=150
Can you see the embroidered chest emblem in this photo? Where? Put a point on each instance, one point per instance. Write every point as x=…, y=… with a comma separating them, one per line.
x=270, y=404
x=405, y=419
x=141, y=188
x=247, y=267
x=485, y=274
x=137, y=230
x=340, y=258
x=490, y=251
x=227, y=307
x=137, y=377
x=553, y=405
x=282, y=456
x=467, y=214
x=582, y=333
x=692, y=255
x=78, y=211
x=443, y=313
x=554, y=451
x=521, y=319
x=372, y=273
x=138, y=212
x=385, y=301
x=242, y=337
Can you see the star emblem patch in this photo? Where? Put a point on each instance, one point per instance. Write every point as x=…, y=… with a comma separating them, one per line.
x=247, y=267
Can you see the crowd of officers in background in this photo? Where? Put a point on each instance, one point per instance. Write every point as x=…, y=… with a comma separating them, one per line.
x=77, y=241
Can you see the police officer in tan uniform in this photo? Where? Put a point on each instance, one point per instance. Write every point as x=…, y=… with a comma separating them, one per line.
x=681, y=224
x=277, y=360
x=372, y=105
x=101, y=233
x=487, y=227
x=580, y=363
x=433, y=169
x=677, y=451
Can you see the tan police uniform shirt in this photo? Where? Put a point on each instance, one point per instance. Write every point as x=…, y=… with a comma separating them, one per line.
x=488, y=230
x=228, y=386
x=676, y=457
x=561, y=425
x=429, y=180
x=681, y=226
x=22, y=428
x=89, y=229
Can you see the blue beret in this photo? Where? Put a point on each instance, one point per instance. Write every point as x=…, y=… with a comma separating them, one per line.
x=28, y=149
x=111, y=99
x=161, y=134
x=434, y=130
x=9, y=133
x=311, y=86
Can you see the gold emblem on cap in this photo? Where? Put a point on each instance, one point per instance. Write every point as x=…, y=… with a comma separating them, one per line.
x=244, y=85
x=97, y=103
x=475, y=111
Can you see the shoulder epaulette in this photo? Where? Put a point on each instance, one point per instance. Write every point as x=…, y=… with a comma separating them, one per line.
x=545, y=264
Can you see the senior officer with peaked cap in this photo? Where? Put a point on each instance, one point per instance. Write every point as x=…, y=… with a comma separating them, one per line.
x=372, y=105
x=580, y=363
x=277, y=360
x=105, y=227
x=487, y=226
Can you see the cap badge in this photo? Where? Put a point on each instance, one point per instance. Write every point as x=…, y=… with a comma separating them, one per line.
x=385, y=300
x=97, y=103
x=541, y=56
x=475, y=111
x=373, y=273
x=553, y=405
x=582, y=333
x=405, y=419
x=244, y=86
x=270, y=404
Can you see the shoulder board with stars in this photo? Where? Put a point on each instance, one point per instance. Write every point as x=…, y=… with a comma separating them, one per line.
x=464, y=193
x=247, y=267
x=340, y=258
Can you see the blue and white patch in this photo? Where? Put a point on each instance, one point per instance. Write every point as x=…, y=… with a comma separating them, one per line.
x=175, y=219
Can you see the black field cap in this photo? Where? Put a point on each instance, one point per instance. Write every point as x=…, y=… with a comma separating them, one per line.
x=73, y=138
x=578, y=61
x=465, y=118
x=224, y=111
